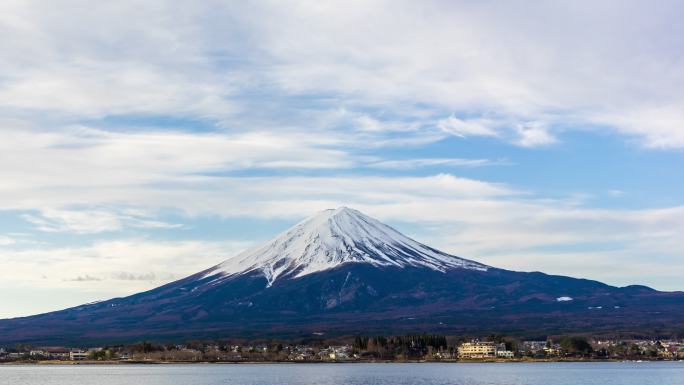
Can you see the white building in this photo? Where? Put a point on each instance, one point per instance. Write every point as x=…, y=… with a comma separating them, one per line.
x=477, y=349
x=78, y=355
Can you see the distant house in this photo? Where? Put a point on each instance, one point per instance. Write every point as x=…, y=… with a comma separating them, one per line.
x=78, y=355
x=338, y=352
x=303, y=357
x=533, y=347
x=58, y=353
x=338, y=355
x=480, y=350
x=444, y=355
x=554, y=350
x=477, y=349
x=51, y=353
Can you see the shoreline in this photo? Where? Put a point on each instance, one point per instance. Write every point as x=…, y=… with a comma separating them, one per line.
x=96, y=363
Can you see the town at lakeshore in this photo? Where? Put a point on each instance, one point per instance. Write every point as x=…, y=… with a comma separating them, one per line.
x=409, y=348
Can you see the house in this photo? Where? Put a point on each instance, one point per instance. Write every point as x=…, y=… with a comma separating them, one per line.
x=338, y=355
x=444, y=355
x=554, y=351
x=477, y=349
x=533, y=347
x=56, y=353
x=78, y=355
x=338, y=352
x=670, y=350
x=502, y=352
x=303, y=356
x=37, y=353
x=547, y=348
x=51, y=353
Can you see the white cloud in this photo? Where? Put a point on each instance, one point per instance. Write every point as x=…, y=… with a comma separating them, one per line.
x=533, y=135
x=407, y=164
x=143, y=263
x=514, y=131
x=65, y=58
x=85, y=278
x=6, y=241
x=420, y=61
x=83, y=159
x=126, y=276
x=92, y=221
x=79, y=179
x=487, y=59
x=620, y=247
x=469, y=127
x=660, y=127
x=47, y=278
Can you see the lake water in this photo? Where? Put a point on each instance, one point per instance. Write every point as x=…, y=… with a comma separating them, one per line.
x=646, y=373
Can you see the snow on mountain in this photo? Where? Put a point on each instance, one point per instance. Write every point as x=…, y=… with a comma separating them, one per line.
x=334, y=237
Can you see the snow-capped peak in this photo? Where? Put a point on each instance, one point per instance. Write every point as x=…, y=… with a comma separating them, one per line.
x=334, y=237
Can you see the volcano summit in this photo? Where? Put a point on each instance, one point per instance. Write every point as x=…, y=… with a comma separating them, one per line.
x=342, y=272
x=333, y=238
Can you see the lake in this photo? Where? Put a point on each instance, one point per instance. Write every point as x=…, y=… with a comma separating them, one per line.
x=618, y=373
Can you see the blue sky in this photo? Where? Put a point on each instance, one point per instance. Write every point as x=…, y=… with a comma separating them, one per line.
x=144, y=142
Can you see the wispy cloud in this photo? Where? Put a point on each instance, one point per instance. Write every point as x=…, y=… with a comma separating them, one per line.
x=6, y=240
x=126, y=276
x=468, y=127
x=92, y=221
x=85, y=278
x=418, y=62
x=142, y=263
x=407, y=164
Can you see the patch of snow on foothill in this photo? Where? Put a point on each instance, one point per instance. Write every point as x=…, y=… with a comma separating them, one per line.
x=334, y=237
x=564, y=299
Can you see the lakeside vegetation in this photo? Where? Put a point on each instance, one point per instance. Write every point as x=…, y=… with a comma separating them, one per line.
x=406, y=348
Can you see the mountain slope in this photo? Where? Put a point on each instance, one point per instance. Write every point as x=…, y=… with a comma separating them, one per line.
x=341, y=272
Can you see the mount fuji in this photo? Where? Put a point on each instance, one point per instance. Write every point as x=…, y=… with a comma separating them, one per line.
x=341, y=272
